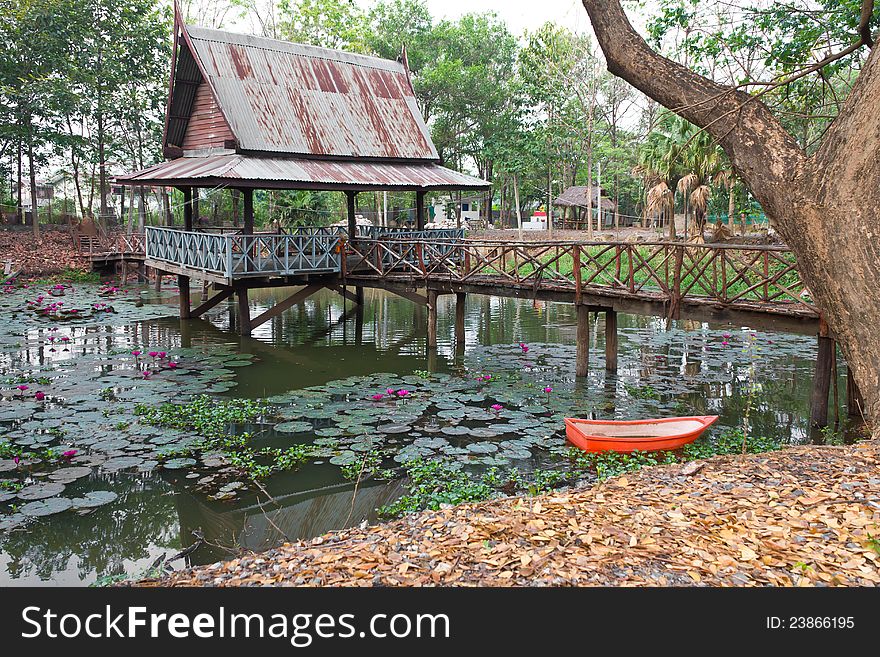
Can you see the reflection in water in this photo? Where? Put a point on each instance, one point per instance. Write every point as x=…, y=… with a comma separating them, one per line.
x=326, y=338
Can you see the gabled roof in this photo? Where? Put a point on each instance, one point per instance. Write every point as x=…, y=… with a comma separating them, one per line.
x=577, y=196
x=281, y=98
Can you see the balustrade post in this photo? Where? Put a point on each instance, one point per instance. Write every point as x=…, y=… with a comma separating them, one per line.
x=432, y=320
x=822, y=378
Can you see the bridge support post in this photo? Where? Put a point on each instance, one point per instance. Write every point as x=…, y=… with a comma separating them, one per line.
x=855, y=405
x=432, y=319
x=582, y=359
x=183, y=286
x=459, y=320
x=244, y=312
x=822, y=378
x=610, y=340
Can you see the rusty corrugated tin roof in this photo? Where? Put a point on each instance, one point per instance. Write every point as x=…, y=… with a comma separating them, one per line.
x=282, y=97
x=300, y=173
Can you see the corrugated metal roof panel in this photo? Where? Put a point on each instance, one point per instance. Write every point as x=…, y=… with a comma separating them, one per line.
x=298, y=173
x=282, y=97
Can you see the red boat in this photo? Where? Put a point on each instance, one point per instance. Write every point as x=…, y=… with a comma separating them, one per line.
x=632, y=435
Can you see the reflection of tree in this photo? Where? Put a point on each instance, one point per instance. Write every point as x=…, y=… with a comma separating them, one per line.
x=101, y=541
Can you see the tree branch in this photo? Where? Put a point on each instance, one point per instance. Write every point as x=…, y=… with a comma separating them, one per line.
x=763, y=153
x=865, y=23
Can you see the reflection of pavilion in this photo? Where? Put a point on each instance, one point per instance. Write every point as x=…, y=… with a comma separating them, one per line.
x=298, y=515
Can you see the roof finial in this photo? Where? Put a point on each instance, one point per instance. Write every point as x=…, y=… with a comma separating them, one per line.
x=405, y=61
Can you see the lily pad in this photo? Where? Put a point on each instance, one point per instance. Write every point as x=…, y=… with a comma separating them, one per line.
x=94, y=499
x=178, y=464
x=46, y=507
x=41, y=491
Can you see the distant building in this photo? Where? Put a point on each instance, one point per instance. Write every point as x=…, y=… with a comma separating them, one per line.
x=579, y=198
x=443, y=211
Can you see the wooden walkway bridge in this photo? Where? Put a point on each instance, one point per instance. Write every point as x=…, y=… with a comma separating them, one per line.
x=758, y=286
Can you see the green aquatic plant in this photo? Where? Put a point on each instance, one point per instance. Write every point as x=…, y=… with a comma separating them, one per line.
x=640, y=392
x=431, y=484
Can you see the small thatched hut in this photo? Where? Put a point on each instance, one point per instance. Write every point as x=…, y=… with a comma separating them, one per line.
x=576, y=197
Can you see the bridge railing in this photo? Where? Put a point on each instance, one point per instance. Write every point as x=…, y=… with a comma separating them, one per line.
x=235, y=255
x=724, y=274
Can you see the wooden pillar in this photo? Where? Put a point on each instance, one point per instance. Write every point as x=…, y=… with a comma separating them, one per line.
x=821, y=378
x=248, y=195
x=610, y=340
x=183, y=285
x=582, y=360
x=420, y=210
x=158, y=273
x=351, y=197
x=244, y=312
x=855, y=404
x=187, y=208
x=432, y=319
x=459, y=320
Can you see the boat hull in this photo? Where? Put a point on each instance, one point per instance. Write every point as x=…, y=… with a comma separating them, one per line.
x=636, y=435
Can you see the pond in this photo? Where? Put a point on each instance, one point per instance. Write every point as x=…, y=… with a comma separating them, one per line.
x=111, y=463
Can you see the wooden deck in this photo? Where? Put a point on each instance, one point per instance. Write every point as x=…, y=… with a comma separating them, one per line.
x=751, y=284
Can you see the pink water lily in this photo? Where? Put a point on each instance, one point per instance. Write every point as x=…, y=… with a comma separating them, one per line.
x=162, y=354
x=378, y=396
x=402, y=393
x=16, y=460
x=39, y=395
x=153, y=354
x=136, y=353
x=172, y=365
x=69, y=454
x=389, y=391
x=22, y=387
x=725, y=343
x=548, y=389
x=496, y=407
x=525, y=348
x=146, y=374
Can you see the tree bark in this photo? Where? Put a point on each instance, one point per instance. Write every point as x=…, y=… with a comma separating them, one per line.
x=825, y=206
x=35, y=215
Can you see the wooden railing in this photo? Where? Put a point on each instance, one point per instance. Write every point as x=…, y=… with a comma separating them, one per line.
x=727, y=275
x=232, y=255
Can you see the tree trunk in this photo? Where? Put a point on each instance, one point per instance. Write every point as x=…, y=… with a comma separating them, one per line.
x=35, y=216
x=825, y=206
x=19, y=211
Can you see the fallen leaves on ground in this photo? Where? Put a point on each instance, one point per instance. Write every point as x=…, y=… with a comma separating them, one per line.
x=803, y=516
x=52, y=252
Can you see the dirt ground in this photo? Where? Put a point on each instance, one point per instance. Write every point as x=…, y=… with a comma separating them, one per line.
x=803, y=516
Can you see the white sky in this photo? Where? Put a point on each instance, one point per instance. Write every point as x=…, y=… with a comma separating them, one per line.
x=518, y=14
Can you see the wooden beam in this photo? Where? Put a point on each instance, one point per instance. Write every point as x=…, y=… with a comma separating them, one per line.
x=348, y=294
x=460, y=298
x=821, y=379
x=432, y=319
x=420, y=210
x=210, y=303
x=248, y=196
x=245, y=325
x=187, y=208
x=582, y=359
x=183, y=286
x=351, y=198
x=610, y=341
x=279, y=308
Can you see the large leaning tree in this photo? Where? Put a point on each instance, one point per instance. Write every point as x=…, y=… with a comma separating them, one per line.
x=826, y=205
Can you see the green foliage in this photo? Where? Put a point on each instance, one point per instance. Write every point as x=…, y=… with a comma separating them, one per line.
x=640, y=392
x=70, y=276
x=432, y=483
